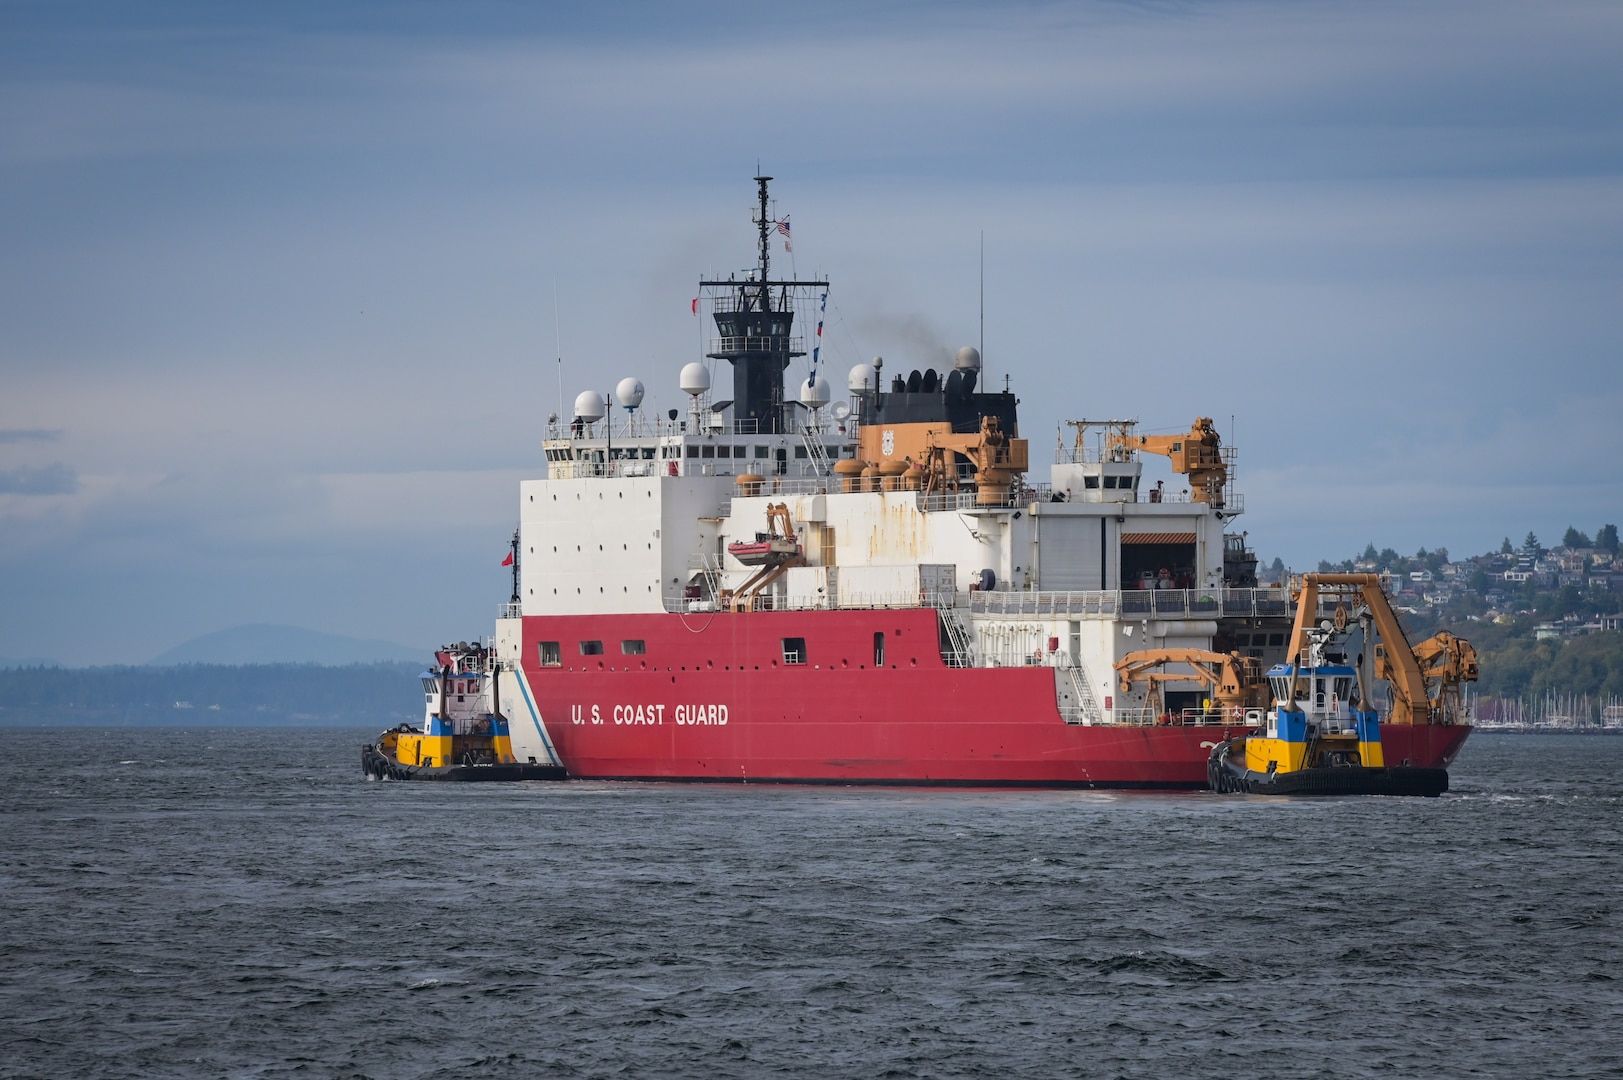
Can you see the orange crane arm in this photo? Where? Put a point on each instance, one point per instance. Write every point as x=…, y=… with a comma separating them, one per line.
x=1395, y=659
x=1198, y=453
x=1231, y=676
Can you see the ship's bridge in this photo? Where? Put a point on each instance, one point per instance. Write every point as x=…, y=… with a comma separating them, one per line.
x=709, y=444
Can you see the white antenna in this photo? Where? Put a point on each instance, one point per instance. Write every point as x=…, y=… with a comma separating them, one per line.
x=558, y=342
x=983, y=302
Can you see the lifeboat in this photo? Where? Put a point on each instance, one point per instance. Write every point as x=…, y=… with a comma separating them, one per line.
x=764, y=551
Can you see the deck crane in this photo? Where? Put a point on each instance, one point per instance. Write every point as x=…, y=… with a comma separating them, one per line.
x=1198, y=453
x=1233, y=679
x=1447, y=660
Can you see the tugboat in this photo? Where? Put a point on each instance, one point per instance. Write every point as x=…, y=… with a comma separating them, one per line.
x=1323, y=734
x=463, y=737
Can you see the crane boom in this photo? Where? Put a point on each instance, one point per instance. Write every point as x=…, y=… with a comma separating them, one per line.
x=1198, y=453
x=1395, y=660
x=1233, y=678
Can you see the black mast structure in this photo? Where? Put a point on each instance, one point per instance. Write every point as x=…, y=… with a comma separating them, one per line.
x=513, y=559
x=754, y=332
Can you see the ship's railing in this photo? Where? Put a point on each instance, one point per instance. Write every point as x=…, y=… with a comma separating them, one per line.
x=844, y=601
x=1139, y=716
x=752, y=343
x=1073, y=604
x=1136, y=603
x=510, y=610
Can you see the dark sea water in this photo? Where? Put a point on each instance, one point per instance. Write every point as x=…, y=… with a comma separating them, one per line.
x=241, y=903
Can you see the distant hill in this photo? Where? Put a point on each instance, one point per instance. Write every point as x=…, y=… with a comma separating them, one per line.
x=269, y=644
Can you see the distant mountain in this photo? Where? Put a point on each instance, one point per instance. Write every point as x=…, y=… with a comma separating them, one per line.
x=268, y=644
x=26, y=661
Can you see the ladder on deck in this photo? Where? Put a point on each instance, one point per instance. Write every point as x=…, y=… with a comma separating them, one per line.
x=709, y=565
x=1086, y=710
x=815, y=450
x=962, y=652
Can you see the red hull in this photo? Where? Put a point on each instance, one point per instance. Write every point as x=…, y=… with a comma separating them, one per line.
x=712, y=699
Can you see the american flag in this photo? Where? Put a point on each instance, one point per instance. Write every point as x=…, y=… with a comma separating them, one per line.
x=783, y=231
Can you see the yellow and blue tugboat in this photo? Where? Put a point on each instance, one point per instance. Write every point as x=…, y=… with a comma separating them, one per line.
x=1322, y=735
x=464, y=735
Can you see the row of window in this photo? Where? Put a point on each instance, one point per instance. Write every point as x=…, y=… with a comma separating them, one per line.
x=706, y=450
x=552, y=651
x=794, y=650
x=762, y=453
x=1123, y=482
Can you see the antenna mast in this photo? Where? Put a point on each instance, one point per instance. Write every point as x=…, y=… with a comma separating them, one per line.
x=763, y=223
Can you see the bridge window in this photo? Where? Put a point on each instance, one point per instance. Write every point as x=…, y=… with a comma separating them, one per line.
x=551, y=654
x=633, y=647
x=794, y=650
x=693, y=451
x=761, y=452
x=591, y=648
x=707, y=451
x=1090, y=482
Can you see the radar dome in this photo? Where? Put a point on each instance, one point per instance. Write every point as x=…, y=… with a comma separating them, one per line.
x=814, y=393
x=589, y=406
x=862, y=377
x=629, y=392
x=968, y=359
x=695, y=379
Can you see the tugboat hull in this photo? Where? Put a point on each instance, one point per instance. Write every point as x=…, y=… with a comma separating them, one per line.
x=377, y=766
x=1228, y=776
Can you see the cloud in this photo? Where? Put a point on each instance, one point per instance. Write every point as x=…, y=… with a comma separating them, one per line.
x=55, y=479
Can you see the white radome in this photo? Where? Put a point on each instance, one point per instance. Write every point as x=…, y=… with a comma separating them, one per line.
x=814, y=393
x=589, y=406
x=629, y=392
x=968, y=359
x=694, y=379
x=862, y=377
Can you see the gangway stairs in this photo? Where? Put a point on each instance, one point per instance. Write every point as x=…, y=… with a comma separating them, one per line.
x=961, y=651
x=707, y=565
x=1083, y=706
x=815, y=450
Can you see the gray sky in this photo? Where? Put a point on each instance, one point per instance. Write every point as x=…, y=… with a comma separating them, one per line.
x=276, y=286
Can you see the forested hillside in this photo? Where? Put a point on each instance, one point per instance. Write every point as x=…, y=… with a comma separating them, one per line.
x=366, y=694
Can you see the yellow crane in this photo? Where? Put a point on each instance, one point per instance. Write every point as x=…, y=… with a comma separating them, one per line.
x=1447, y=660
x=1197, y=454
x=1232, y=679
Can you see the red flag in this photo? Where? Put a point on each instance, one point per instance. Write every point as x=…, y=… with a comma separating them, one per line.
x=695, y=305
x=509, y=560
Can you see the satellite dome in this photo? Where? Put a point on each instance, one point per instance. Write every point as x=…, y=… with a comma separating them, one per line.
x=968, y=359
x=589, y=406
x=814, y=393
x=695, y=379
x=862, y=377
x=629, y=392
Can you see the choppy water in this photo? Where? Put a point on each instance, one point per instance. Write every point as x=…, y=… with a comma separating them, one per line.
x=242, y=903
